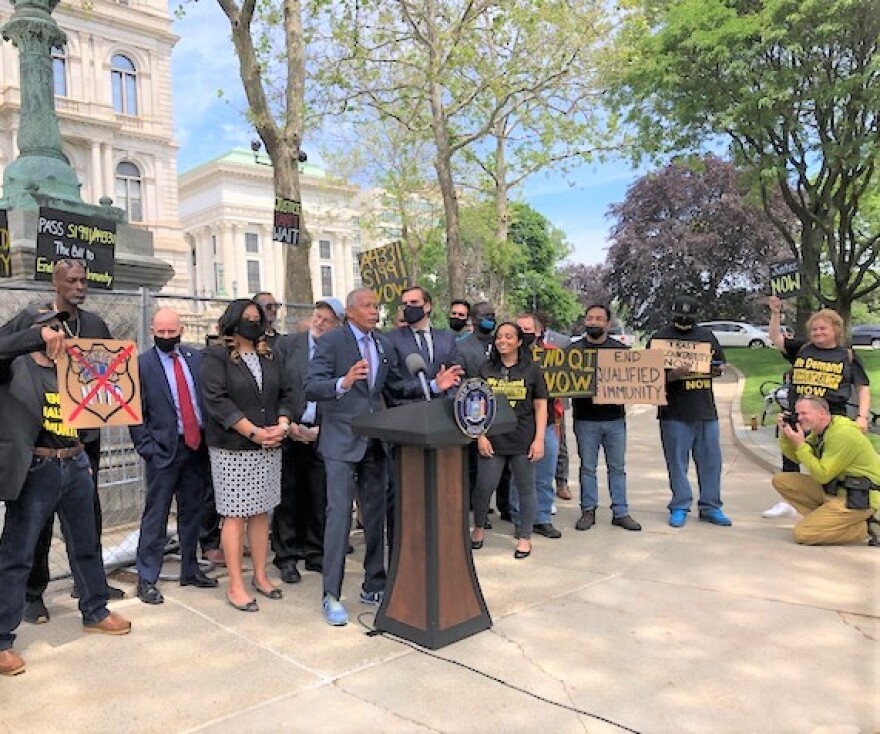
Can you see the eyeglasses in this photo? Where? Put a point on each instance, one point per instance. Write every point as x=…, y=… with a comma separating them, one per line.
x=272, y=306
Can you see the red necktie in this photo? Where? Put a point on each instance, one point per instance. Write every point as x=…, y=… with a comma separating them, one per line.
x=192, y=436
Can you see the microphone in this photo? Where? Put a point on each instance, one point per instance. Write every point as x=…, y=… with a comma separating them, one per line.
x=415, y=363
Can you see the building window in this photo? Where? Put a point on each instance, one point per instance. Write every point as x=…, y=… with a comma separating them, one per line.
x=219, y=288
x=124, y=78
x=129, y=188
x=326, y=281
x=59, y=72
x=355, y=267
x=251, y=242
x=253, y=276
x=325, y=250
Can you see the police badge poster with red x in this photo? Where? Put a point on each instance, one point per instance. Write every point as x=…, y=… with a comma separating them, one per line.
x=99, y=384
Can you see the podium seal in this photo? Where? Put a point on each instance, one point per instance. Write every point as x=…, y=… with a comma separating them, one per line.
x=474, y=407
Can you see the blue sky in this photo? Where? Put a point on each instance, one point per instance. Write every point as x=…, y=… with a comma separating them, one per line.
x=208, y=126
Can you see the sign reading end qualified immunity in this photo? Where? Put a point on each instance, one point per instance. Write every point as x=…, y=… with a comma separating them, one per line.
x=66, y=235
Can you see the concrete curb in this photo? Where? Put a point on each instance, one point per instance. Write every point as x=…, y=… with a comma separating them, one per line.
x=752, y=442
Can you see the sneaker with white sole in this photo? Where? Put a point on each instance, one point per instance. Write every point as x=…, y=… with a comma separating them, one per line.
x=334, y=612
x=780, y=509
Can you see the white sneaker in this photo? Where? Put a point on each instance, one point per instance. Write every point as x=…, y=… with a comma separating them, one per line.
x=780, y=509
x=553, y=509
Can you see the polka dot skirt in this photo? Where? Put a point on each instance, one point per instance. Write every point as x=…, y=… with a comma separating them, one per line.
x=246, y=483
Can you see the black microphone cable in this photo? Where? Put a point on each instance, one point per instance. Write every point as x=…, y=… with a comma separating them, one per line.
x=373, y=632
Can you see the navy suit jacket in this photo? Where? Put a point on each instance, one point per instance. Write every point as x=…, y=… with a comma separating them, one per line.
x=335, y=353
x=445, y=353
x=294, y=352
x=156, y=439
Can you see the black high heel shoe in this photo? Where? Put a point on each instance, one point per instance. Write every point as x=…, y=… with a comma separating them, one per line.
x=520, y=554
x=476, y=544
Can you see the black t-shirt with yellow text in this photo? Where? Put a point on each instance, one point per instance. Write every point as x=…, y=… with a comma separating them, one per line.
x=825, y=373
x=522, y=383
x=54, y=434
x=690, y=399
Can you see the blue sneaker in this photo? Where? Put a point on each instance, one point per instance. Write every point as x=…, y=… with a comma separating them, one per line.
x=372, y=597
x=334, y=612
x=677, y=518
x=716, y=517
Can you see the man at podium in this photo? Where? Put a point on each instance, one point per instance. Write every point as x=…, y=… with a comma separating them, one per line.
x=353, y=370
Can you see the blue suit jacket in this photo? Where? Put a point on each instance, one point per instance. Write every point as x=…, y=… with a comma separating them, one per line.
x=156, y=439
x=445, y=353
x=335, y=353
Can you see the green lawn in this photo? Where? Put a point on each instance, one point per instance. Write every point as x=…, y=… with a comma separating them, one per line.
x=759, y=365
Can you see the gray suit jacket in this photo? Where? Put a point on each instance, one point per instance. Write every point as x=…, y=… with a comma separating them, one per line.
x=335, y=354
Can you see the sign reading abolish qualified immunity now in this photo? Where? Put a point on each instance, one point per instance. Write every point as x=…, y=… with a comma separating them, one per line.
x=77, y=237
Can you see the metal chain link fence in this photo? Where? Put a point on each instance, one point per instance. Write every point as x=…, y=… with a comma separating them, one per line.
x=121, y=476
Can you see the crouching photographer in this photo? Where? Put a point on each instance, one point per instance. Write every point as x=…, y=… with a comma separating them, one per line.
x=841, y=490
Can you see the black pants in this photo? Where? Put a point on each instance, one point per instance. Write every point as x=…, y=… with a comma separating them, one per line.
x=209, y=534
x=38, y=579
x=298, y=522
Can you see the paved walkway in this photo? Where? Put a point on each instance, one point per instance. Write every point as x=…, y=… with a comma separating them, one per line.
x=702, y=629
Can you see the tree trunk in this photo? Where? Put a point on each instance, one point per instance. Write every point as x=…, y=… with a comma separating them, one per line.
x=502, y=216
x=443, y=166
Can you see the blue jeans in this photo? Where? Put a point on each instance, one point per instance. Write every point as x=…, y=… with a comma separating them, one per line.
x=545, y=478
x=610, y=435
x=64, y=484
x=700, y=439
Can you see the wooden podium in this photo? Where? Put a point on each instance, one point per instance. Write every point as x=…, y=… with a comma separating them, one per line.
x=432, y=596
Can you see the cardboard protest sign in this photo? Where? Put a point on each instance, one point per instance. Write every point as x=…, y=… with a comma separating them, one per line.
x=286, y=222
x=678, y=353
x=79, y=237
x=98, y=383
x=568, y=372
x=5, y=254
x=785, y=279
x=630, y=377
x=383, y=269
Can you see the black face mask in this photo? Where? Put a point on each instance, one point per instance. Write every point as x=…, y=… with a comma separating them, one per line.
x=683, y=322
x=166, y=343
x=250, y=330
x=413, y=314
x=594, y=332
x=457, y=324
x=528, y=340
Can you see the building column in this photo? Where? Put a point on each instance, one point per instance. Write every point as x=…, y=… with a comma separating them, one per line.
x=109, y=175
x=96, y=178
x=227, y=257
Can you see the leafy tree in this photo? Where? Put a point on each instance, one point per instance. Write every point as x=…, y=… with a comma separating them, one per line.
x=408, y=207
x=269, y=44
x=537, y=286
x=794, y=87
x=691, y=227
x=449, y=70
x=589, y=283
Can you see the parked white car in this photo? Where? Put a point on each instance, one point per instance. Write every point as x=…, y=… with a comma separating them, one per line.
x=738, y=334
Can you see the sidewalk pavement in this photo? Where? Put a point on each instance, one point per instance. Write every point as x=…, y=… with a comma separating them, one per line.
x=700, y=629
